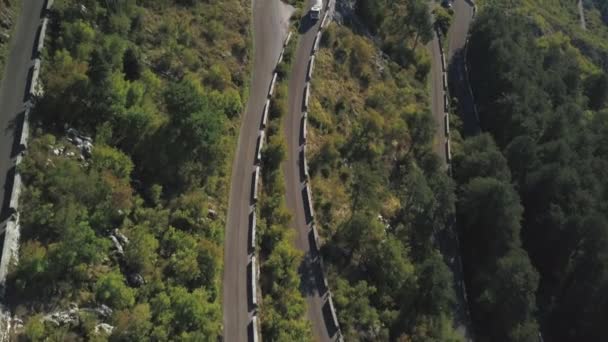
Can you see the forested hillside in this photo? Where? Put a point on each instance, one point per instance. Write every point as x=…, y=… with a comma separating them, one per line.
x=538, y=179
x=125, y=228
x=601, y=6
x=381, y=194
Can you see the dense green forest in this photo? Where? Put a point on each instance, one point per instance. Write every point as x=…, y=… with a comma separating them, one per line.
x=381, y=194
x=601, y=6
x=132, y=218
x=536, y=180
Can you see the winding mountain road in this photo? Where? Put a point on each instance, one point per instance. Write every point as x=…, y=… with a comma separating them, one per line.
x=270, y=27
x=12, y=107
x=459, y=87
x=457, y=72
x=311, y=274
x=13, y=89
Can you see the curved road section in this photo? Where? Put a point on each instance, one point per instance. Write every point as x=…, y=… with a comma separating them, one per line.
x=270, y=26
x=457, y=72
x=450, y=65
x=312, y=284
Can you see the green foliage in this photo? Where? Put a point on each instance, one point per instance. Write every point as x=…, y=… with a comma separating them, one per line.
x=545, y=109
x=131, y=65
x=381, y=196
x=136, y=76
x=141, y=252
x=357, y=315
x=112, y=160
x=283, y=316
x=189, y=315
x=443, y=19
x=284, y=304
x=403, y=25
x=489, y=216
x=133, y=325
x=34, y=328
x=112, y=290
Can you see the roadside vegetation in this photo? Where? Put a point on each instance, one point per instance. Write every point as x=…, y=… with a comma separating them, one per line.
x=532, y=189
x=126, y=229
x=381, y=194
x=283, y=310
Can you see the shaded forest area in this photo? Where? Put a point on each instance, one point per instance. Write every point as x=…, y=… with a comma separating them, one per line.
x=532, y=191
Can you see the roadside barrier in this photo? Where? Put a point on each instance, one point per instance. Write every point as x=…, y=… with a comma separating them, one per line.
x=304, y=163
x=304, y=128
x=272, y=84
x=253, y=269
x=33, y=90
x=25, y=131
x=10, y=247
x=307, y=192
x=253, y=229
x=49, y=5
x=287, y=39
x=311, y=65
x=42, y=36
x=254, y=281
x=254, y=329
x=255, y=185
x=259, y=146
x=448, y=151
x=265, y=113
x=306, y=95
x=316, y=43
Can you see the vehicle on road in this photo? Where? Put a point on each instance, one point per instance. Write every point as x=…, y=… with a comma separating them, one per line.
x=315, y=10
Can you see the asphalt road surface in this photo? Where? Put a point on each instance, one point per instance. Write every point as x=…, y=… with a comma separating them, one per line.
x=437, y=105
x=310, y=271
x=459, y=87
x=270, y=26
x=13, y=90
x=448, y=240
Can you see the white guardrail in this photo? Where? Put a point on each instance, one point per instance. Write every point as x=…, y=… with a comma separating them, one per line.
x=265, y=113
x=446, y=105
x=272, y=84
x=256, y=182
x=255, y=188
x=253, y=270
x=41, y=36
x=10, y=248
x=307, y=193
x=252, y=230
x=306, y=95
x=304, y=127
x=259, y=146
x=311, y=66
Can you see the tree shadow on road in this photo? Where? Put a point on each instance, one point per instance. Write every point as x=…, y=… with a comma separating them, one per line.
x=5, y=211
x=306, y=23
